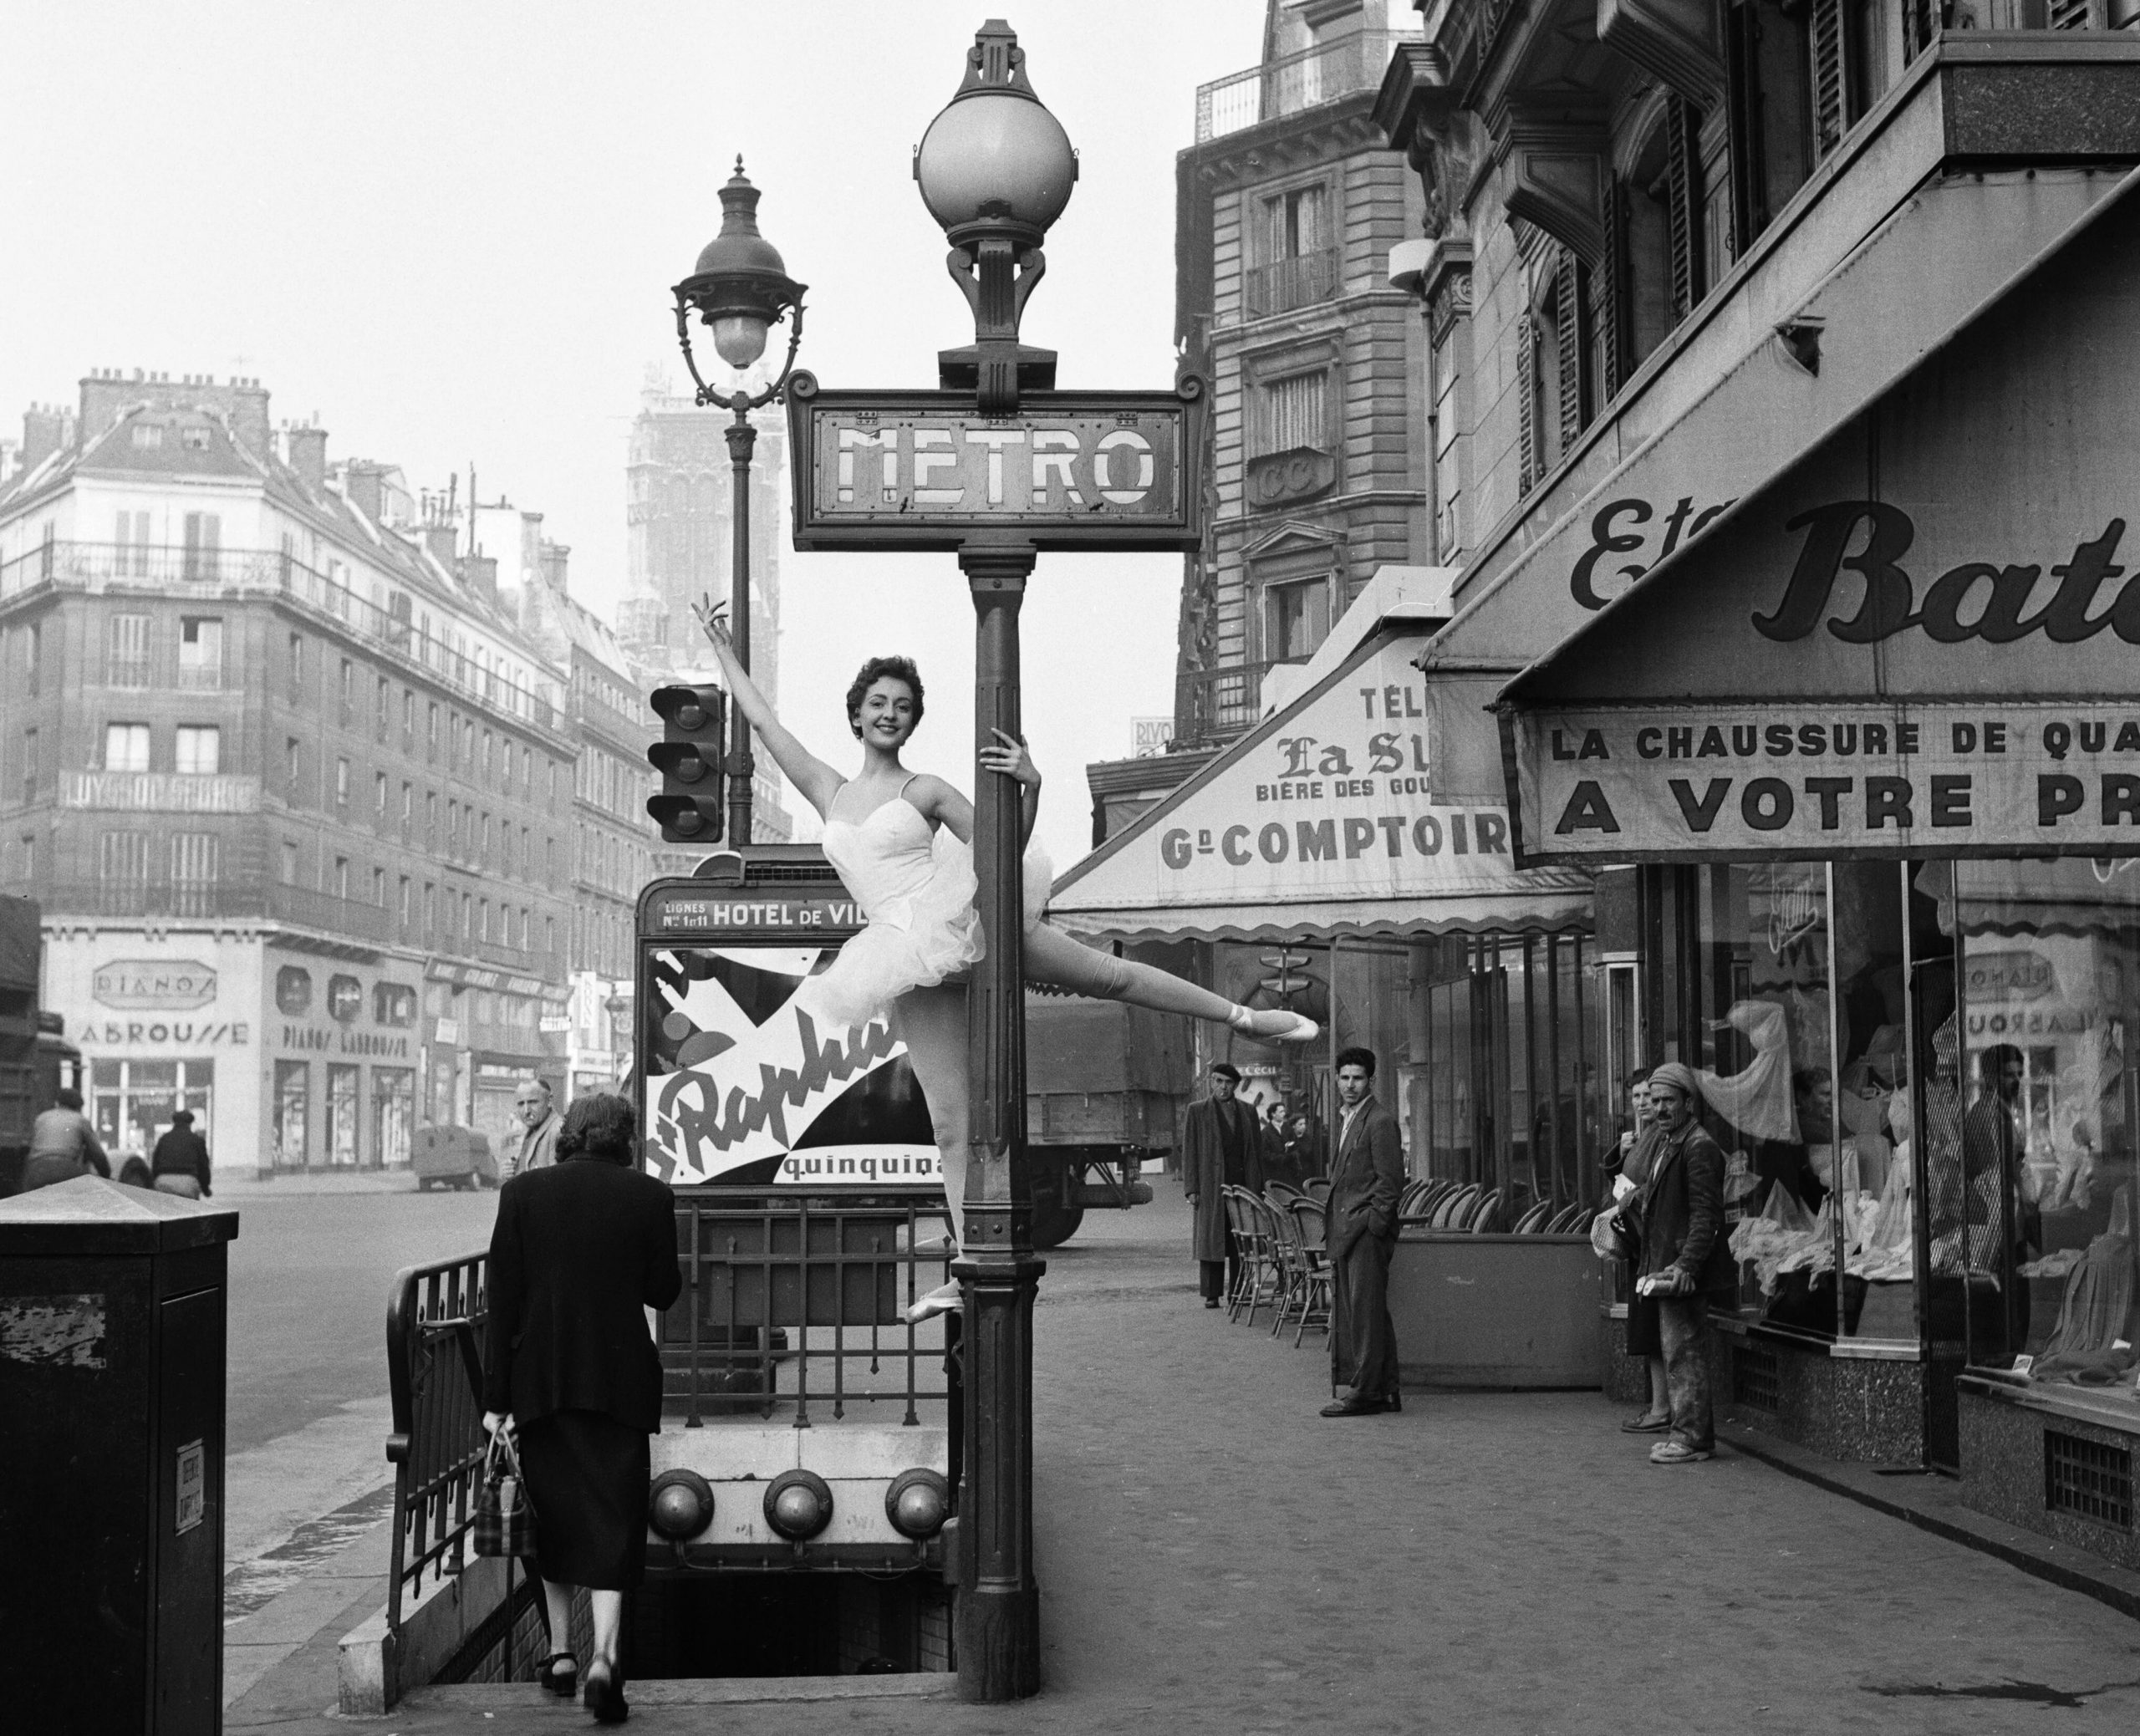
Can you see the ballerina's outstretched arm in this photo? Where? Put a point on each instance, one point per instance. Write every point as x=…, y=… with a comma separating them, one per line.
x=817, y=781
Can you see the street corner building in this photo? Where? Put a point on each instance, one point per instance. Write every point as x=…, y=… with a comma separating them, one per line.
x=1778, y=401
x=326, y=818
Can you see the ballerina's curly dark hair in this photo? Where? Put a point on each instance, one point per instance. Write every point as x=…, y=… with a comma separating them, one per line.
x=899, y=669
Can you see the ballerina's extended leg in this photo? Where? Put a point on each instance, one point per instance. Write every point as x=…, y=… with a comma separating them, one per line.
x=1052, y=957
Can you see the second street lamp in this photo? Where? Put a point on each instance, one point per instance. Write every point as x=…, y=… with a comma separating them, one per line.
x=742, y=290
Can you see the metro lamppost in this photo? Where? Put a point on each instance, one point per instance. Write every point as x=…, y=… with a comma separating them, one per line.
x=742, y=290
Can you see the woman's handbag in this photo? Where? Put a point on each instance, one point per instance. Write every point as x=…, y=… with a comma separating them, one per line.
x=505, y=1517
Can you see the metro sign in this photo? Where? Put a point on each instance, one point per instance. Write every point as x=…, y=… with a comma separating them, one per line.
x=927, y=471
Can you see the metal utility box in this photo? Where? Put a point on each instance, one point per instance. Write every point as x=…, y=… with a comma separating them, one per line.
x=112, y=1330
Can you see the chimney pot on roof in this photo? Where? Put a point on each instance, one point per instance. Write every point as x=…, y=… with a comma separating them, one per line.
x=308, y=455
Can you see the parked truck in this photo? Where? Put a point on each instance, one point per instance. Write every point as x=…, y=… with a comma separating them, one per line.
x=35, y=1058
x=1105, y=1088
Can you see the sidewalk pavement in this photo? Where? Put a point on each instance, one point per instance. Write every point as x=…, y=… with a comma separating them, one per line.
x=1215, y=1556
x=240, y=1185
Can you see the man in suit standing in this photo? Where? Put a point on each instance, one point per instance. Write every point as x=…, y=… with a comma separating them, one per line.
x=1362, y=1231
x=1220, y=1140
x=538, y=1144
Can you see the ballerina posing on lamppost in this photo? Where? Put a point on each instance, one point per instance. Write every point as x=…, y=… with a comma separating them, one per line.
x=900, y=842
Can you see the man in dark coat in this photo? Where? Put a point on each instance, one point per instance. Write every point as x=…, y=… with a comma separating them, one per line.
x=1219, y=1142
x=1359, y=1237
x=182, y=1158
x=1685, y=1259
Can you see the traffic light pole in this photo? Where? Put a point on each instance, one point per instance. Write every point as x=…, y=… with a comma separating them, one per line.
x=740, y=767
x=998, y=1610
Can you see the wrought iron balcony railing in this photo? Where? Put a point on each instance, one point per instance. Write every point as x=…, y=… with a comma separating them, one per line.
x=1285, y=284
x=1294, y=83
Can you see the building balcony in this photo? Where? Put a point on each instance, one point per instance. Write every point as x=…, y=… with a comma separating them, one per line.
x=597, y=714
x=300, y=907
x=1293, y=83
x=1218, y=704
x=160, y=792
x=220, y=574
x=1285, y=284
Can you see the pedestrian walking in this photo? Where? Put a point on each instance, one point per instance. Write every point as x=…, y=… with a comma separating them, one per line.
x=580, y=1248
x=62, y=1144
x=1635, y=1160
x=1220, y=1147
x=1685, y=1260
x=538, y=1143
x=1360, y=1233
x=180, y=1161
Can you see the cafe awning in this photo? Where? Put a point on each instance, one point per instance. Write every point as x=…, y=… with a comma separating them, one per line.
x=1316, y=824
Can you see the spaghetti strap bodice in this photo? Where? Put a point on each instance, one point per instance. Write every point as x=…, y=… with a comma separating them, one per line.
x=886, y=859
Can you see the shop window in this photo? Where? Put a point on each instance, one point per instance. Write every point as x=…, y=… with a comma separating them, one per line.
x=342, y=1115
x=199, y=750
x=292, y=1113
x=345, y=999
x=293, y=991
x=393, y=1003
x=126, y=651
x=392, y=1115
x=126, y=747
x=133, y=1102
x=200, y=652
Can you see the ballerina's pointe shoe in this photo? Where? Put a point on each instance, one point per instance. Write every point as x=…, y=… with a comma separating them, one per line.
x=1273, y=1025
x=944, y=1299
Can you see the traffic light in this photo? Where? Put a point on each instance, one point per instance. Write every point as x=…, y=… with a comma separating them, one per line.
x=689, y=758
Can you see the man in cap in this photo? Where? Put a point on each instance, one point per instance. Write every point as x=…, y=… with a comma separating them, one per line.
x=1685, y=1260
x=1219, y=1142
x=180, y=1161
x=538, y=1144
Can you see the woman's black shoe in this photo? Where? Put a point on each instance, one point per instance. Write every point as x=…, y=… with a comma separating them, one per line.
x=605, y=1698
x=563, y=1683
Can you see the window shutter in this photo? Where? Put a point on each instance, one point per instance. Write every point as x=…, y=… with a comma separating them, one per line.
x=1829, y=32
x=1567, y=332
x=1683, y=187
x=1526, y=400
x=1605, y=294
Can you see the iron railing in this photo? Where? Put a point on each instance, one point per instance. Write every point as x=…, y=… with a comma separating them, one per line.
x=435, y=1316
x=791, y=1300
x=206, y=574
x=1285, y=284
x=1293, y=83
x=1220, y=703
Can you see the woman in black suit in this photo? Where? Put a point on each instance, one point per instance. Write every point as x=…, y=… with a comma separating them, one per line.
x=578, y=1249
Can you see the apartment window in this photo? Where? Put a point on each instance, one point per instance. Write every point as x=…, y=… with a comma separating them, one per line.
x=483, y=911
x=379, y=798
x=526, y=770
x=123, y=858
x=453, y=828
x=378, y=887
x=33, y=656
x=1291, y=413
x=29, y=855
x=289, y=864
x=408, y=904
x=200, y=749
x=29, y=764
x=342, y=784
x=1298, y=264
x=430, y=819
x=204, y=537
x=486, y=756
x=126, y=747
x=348, y=692
x=200, y=652
x=467, y=917
x=1298, y=619
x=384, y=720
x=146, y=435
x=341, y=877
x=126, y=657
x=432, y=737
x=550, y=933
x=297, y=666
x=408, y=720
x=130, y=535
x=430, y=910
x=195, y=859
x=408, y=811
x=487, y=837
x=293, y=762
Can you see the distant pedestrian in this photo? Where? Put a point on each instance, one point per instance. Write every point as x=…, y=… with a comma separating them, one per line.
x=1685, y=1260
x=135, y=1172
x=1274, y=1160
x=1220, y=1146
x=62, y=1144
x=1636, y=1155
x=1304, y=1148
x=1360, y=1235
x=180, y=1161
x=581, y=1247
x=538, y=1143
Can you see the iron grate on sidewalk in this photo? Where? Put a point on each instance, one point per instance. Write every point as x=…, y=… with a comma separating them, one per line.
x=2089, y=1478
x=1757, y=1377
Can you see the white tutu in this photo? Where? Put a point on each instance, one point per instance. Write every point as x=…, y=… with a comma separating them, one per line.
x=917, y=889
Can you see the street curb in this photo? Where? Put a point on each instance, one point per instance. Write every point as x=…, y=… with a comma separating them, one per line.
x=1943, y=1515
x=694, y=1691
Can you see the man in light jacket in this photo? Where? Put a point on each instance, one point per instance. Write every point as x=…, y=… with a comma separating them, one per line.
x=538, y=1144
x=1360, y=1235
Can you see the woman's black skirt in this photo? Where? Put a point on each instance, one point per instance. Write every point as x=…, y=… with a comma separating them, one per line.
x=587, y=1474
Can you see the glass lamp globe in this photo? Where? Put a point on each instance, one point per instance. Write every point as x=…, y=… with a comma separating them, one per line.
x=739, y=339
x=996, y=162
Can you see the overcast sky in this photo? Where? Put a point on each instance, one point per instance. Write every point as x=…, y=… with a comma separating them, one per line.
x=449, y=231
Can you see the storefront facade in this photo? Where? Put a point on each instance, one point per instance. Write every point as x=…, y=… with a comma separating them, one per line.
x=1865, y=758
x=344, y=1054
x=1306, y=867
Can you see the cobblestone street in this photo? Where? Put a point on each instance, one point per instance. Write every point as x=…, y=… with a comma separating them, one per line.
x=1214, y=1555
